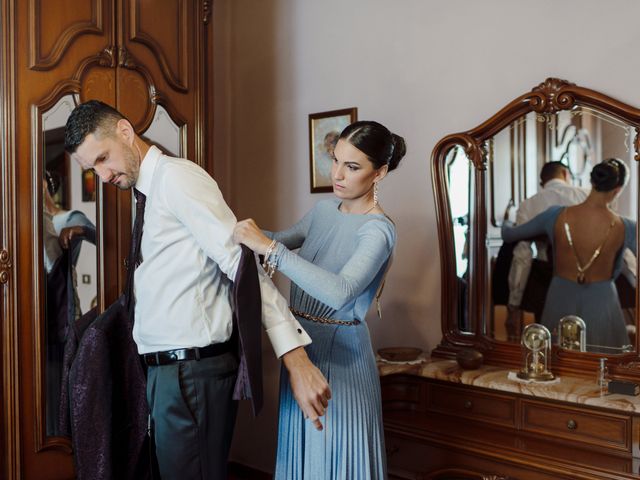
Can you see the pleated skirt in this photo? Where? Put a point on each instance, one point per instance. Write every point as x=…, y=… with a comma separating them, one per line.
x=351, y=446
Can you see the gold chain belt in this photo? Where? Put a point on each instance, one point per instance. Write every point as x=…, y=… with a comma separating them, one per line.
x=331, y=321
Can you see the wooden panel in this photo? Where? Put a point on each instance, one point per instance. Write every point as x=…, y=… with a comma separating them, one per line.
x=595, y=428
x=462, y=402
x=163, y=28
x=55, y=25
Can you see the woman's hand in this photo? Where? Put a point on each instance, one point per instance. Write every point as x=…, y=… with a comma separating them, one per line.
x=248, y=233
x=69, y=233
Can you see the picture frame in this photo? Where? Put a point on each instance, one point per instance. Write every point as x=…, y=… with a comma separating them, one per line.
x=88, y=186
x=324, y=130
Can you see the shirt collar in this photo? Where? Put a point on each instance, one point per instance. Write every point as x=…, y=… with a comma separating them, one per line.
x=554, y=182
x=147, y=167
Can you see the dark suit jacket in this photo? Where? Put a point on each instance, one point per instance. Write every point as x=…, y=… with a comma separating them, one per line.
x=108, y=405
x=107, y=408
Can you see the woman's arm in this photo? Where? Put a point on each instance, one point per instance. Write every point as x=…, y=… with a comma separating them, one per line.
x=541, y=224
x=374, y=244
x=294, y=236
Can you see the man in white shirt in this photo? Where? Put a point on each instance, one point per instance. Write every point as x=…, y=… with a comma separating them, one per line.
x=182, y=292
x=556, y=189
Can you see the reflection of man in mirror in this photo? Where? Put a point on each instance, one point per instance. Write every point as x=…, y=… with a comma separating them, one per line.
x=555, y=180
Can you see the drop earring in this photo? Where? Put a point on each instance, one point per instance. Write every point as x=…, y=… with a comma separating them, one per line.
x=375, y=194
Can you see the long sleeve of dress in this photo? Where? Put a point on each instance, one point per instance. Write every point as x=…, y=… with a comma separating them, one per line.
x=374, y=243
x=541, y=224
x=294, y=236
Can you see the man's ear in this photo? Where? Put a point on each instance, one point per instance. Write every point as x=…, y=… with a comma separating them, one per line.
x=125, y=131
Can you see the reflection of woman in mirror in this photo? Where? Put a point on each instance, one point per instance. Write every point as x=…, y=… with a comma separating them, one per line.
x=68, y=224
x=345, y=246
x=588, y=241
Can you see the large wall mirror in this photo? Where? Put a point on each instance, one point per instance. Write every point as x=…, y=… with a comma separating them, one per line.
x=69, y=260
x=481, y=179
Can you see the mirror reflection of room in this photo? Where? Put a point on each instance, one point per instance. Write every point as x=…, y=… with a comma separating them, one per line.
x=69, y=251
x=459, y=167
x=578, y=259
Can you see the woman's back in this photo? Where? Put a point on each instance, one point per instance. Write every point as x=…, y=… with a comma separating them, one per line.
x=590, y=228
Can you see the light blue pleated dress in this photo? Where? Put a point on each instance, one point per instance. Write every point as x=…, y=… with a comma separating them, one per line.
x=336, y=273
x=597, y=303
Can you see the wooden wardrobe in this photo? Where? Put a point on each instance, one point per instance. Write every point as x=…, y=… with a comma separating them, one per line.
x=151, y=59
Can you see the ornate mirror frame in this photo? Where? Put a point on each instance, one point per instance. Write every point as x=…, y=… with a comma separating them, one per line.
x=549, y=97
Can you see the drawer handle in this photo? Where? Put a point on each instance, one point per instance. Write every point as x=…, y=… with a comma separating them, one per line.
x=468, y=404
x=572, y=424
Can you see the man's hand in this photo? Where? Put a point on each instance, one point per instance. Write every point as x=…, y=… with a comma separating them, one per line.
x=310, y=388
x=69, y=233
x=248, y=233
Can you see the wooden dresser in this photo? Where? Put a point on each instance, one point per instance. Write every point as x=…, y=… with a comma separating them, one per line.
x=444, y=422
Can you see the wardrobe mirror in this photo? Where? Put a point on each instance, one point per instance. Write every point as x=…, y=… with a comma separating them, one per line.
x=70, y=259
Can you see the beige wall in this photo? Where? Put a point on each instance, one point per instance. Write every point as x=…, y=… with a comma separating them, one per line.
x=424, y=68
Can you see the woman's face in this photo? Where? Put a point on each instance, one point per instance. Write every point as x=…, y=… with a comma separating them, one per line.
x=352, y=173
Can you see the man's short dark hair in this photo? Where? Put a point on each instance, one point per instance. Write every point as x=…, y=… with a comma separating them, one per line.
x=551, y=170
x=88, y=118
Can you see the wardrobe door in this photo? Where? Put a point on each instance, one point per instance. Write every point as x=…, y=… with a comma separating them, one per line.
x=61, y=51
x=164, y=82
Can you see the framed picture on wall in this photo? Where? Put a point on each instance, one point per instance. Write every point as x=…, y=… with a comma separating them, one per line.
x=324, y=130
x=88, y=186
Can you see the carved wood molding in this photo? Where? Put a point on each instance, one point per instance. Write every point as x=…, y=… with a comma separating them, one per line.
x=5, y=266
x=549, y=97
x=178, y=80
x=10, y=442
x=63, y=42
x=206, y=11
x=127, y=60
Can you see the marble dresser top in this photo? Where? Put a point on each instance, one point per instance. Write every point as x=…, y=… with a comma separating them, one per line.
x=568, y=389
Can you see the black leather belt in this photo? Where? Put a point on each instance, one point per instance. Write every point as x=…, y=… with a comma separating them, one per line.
x=180, y=354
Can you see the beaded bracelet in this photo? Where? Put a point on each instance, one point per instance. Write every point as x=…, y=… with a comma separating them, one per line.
x=268, y=264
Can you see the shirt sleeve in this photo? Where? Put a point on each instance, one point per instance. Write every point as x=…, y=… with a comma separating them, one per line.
x=521, y=261
x=197, y=202
x=375, y=242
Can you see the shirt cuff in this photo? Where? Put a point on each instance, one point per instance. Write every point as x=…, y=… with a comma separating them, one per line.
x=284, y=337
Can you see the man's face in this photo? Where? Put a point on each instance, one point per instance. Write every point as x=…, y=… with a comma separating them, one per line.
x=113, y=160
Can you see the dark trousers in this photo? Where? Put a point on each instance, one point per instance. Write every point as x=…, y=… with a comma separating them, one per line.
x=193, y=416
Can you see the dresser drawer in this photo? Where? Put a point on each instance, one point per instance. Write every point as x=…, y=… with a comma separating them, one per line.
x=590, y=427
x=401, y=392
x=464, y=402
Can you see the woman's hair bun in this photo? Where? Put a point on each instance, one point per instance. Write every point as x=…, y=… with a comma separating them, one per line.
x=609, y=174
x=399, y=151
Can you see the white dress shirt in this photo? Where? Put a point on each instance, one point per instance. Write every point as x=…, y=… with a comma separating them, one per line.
x=182, y=287
x=554, y=192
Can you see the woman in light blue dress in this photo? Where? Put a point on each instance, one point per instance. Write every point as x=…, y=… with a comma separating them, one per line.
x=344, y=248
x=588, y=242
